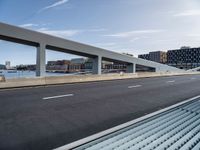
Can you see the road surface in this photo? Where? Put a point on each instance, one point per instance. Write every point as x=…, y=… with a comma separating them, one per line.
x=43, y=118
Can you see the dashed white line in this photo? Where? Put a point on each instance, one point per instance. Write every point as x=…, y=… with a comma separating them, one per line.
x=134, y=86
x=172, y=81
x=59, y=96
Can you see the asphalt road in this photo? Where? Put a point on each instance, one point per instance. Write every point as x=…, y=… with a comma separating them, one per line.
x=44, y=118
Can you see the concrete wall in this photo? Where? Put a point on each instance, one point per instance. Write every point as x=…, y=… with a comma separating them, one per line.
x=42, y=81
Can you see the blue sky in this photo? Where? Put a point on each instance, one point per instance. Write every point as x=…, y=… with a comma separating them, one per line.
x=132, y=26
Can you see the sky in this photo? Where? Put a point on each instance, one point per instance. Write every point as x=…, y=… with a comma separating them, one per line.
x=124, y=26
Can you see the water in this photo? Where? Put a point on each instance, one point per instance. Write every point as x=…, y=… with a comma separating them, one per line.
x=27, y=74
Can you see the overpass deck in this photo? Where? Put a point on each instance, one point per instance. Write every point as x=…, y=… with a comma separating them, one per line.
x=44, y=41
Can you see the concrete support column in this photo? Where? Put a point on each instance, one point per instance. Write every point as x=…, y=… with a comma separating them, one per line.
x=41, y=60
x=158, y=69
x=96, y=68
x=131, y=68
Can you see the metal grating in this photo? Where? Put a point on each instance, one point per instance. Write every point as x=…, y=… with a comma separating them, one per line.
x=174, y=129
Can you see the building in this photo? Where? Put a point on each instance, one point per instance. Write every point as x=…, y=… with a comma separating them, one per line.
x=83, y=65
x=113, y=67
x=157, y=56
x=144, y=56
x=2, y=67
x=7, y=64
x=58, y=66
x=80, y=65
x=184, y=58
x=26, y=67
x=88, y=64
x=78, y=60
x=67, y=66
x=163, y=57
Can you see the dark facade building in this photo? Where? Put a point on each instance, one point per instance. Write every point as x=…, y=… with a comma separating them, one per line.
x=144, y=56
x=157, y=56
x=184, y=58
x=2, y=66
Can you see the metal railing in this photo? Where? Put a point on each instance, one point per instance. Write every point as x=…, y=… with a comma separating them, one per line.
x=178, y=128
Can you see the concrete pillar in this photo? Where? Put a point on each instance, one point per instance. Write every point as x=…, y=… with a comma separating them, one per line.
x=158, y=69
x=131, y=68
x=96, y=68
x=41, y=60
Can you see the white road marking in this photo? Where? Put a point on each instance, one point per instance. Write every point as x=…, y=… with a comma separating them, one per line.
x=172, y=81
x=193, y=78
x=134, y=86
x=59, y=96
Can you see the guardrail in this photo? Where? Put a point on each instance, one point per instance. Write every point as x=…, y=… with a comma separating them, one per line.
x=175, y=127
x=53, y=80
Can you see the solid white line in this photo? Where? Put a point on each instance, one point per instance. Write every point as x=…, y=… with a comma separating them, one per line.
x=59, y=96
x=171, y=81
x=134, y=86
x=193, y=78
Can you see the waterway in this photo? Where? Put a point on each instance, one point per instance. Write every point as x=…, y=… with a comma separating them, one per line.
x=27, y=74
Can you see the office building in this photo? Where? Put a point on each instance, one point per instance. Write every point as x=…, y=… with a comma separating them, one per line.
x=184, y=58
x=157, y=56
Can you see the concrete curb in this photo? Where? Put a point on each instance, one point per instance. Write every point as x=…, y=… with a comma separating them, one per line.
x=56, y=80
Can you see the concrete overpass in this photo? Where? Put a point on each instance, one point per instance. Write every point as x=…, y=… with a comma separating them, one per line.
x=44, y=41
x=194, y=69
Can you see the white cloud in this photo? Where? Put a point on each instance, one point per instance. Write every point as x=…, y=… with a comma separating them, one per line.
x=67, y=33
x=106, y=44
x=194, y=35
x=138, y=38
x=60, y=2
x=133, y=33
x=60, y=33
x=96, y=30
x=28, y=25
x=135, y=39
x=188, y=13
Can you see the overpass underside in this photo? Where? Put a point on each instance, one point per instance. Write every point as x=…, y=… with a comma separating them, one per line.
x=96, y=60
x=43, y=41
